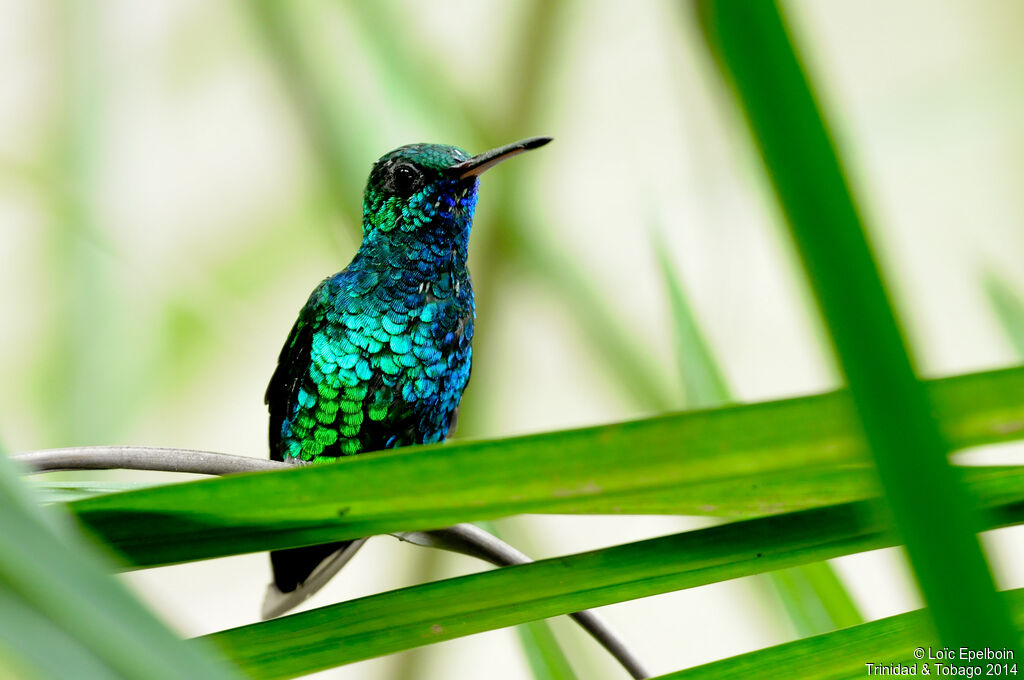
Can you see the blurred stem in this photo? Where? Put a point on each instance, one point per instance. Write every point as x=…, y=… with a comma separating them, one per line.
x=514, y=243
x=494, y=249
x=547, y=660
x=1009, y=309
x=190, y=315
x=81, y=315
x=93, y=345
x=815, y=599
x=342, y=181
x=538, y=46
x=624, y=358
x=702, y=379
x=752, y=44
x=414, y=82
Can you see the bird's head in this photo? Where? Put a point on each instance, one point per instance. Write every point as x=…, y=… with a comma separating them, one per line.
x=426, y=193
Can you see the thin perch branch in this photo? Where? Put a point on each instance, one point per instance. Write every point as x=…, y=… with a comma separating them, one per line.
x=466, y=539
x=143, y=458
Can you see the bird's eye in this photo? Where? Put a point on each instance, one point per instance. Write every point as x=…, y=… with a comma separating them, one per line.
x=405, y=178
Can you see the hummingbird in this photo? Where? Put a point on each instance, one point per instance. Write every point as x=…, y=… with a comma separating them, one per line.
x=381, y=352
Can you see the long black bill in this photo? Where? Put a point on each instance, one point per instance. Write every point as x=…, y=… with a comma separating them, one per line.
x=488, y=159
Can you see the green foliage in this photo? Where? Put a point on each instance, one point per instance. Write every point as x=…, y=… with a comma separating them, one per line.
x=796, y=476
x=843, y=654
x=739, y=462
x=752, y=44
x=441, y=610
x=547, y=660
x=67, y=491
x=380, y=624
x=1009, y=310
x=61, y=615
x=703, y=382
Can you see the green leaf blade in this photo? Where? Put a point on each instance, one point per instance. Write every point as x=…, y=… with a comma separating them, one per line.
x=52, y=583
x=442, y=610
x=739, y=461
x=844, y=653
x=752, y=43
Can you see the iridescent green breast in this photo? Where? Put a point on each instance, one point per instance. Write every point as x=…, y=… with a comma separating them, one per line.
x=374, y=361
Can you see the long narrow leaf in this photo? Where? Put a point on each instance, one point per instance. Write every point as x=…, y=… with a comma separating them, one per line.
x=1009, y=309
x=752, y=43
x=703, y=381
x=64, y=492
x=743, y=461
x=847, y=653
x=69, y=618
x=546, y=658
x=400, y=619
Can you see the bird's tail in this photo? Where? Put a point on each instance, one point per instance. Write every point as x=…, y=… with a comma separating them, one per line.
x=300, y=572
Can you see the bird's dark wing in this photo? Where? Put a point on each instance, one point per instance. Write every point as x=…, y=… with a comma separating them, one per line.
x=292, y=567
x=292, y=368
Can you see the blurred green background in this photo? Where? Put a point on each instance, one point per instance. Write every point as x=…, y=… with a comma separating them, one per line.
x=175, y=177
